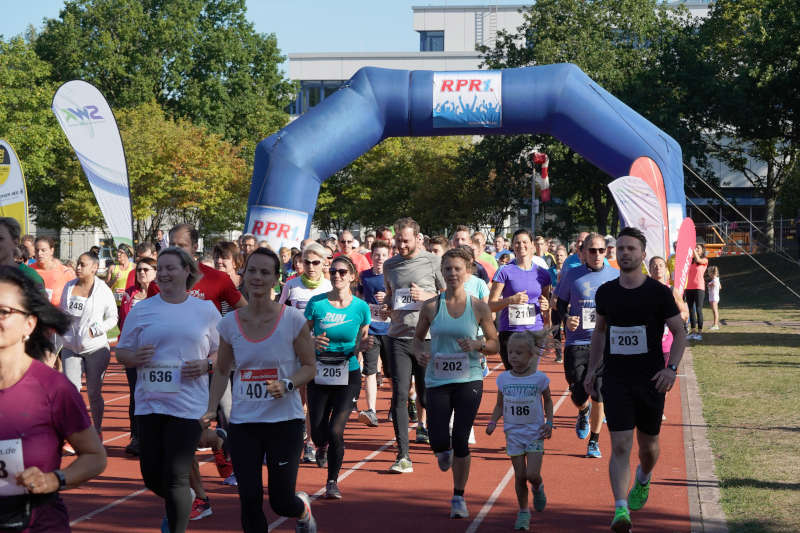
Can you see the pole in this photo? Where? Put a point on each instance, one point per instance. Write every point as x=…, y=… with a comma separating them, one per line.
x=533, y=202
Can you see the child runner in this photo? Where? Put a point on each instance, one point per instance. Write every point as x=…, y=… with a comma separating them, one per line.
x=714, y=287
x=523, y=399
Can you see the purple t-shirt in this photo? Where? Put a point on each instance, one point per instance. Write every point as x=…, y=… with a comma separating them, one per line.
x=514, y=280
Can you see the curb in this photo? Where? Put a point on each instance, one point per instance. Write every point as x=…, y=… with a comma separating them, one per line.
x=704, y=508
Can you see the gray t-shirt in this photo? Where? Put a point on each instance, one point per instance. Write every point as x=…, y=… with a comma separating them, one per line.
x=398, y=273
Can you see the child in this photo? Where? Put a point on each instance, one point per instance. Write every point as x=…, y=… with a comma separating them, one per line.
x=714, y=287
x=523, y=399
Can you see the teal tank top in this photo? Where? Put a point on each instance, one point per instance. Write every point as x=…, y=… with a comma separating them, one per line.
x=449, y=364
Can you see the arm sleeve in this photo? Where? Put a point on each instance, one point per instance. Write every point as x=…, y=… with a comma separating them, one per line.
x=309, y=310
x=500, y=276
x=213, y=334
x=223, y=327
x=110, y=313
x=543, y=276
x=600, y=300
x=230, y=293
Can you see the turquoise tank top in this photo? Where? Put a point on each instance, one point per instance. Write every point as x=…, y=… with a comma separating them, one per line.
x=449, y=364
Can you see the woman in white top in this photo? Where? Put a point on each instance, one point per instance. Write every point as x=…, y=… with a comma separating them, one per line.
x=270, y=347
x=169, y=338
x=93, y=311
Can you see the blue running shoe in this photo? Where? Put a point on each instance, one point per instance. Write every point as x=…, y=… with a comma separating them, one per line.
x=582, y=424
x=593, y=450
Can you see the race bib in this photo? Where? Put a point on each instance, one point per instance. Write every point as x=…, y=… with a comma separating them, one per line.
x=521, y=315
x=332, y=374
x=630, y=340
x=448, y=366
x=11, y=464
x=118, y=295
x=404, y=302
x=375, y=313
x=161, y=377
x=253, y=384
x=518, y=410
x=75, y=305
x=588, y=317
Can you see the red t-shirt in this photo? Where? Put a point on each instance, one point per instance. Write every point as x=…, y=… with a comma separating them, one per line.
x=214, y=286
x=358, y=260
x=696, y=273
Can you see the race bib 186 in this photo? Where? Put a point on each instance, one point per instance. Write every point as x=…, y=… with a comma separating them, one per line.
x=521, y=315
x=519, y=409
x=253, y=384
x=404, y=302
x=11, y=464
x=332, y=374
x=631, y=340
x=161, y=377
x=451, y=366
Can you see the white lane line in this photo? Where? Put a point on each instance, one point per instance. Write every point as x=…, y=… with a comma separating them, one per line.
x=112, y=439
x=117, y=398
x=473, y=527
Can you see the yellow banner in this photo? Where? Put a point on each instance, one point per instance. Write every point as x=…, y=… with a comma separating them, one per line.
x=13, y=194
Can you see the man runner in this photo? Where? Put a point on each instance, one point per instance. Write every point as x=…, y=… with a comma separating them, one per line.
x=631, y=313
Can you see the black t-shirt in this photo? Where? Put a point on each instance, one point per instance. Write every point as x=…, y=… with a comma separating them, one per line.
x=632, y=314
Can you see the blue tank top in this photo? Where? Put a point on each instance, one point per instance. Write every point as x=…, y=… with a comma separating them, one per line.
x=449, y=364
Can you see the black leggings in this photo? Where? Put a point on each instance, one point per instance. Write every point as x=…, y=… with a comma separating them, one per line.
x=131, y=374
x=460, y=399
x=167, y=446
x=694, y=299
x=329, y=407
x=403, y=364
x=282, y=442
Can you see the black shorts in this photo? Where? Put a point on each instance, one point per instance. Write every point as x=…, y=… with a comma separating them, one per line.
x=379, y=348
x=576, y=362
x=633, y=404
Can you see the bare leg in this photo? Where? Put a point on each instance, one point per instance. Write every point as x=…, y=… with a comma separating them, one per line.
x=619, y=469
x=520, y=481
x=596, y=417
x=533, y=471
x=372, y=391
x=648, y=451
x=715, y=310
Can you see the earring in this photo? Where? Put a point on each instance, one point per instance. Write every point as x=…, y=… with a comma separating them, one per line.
x=25, y=338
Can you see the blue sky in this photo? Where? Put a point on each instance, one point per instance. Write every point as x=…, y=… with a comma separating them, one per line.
x=300, y=25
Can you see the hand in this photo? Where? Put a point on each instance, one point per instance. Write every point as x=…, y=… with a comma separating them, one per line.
x=37, y=482
x=417, y=294
x=366, y=344
x=194, y=369
x=207, y=418
x=547, y=432
x=544, y=303
x=573, y=322
x=276, y=388
x=143, y=355
x=588, y=384
x=490, y=427
x=322, y=342
x=423, y=358
x=520, y=298
x=664, y=379
x=379, y=296
x=469, y=345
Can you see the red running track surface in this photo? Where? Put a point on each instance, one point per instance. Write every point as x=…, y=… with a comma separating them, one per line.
x=578, y=493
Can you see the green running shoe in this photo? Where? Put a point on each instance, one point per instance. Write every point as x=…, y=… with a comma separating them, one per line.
x=523, y=521
x=539, y=499
x=622, y=521
x=637, y=497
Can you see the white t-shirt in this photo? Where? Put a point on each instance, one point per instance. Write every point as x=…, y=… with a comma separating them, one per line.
x=180, y=332
x=520, y=393
x=296, y=294
x=260, y=360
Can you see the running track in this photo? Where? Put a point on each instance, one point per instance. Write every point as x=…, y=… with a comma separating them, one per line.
x=578, y=493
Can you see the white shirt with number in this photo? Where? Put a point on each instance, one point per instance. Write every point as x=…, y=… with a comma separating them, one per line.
x=180, y=333
x=258, y=362
x=523, y=407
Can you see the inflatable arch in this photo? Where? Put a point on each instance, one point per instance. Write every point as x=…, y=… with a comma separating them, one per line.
x=375, y=103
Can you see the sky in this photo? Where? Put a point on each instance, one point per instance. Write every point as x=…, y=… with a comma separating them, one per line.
x=301, y=26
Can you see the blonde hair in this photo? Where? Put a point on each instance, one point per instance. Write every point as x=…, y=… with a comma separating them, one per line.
x=712, y=272
x=536, y=341
x=316, y=249
x=186, y=261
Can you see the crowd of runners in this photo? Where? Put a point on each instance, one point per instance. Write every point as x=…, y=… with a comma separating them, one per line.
x=262, y=356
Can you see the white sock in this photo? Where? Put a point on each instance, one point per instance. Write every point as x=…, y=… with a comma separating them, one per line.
x=621, y=503
x=640, y=477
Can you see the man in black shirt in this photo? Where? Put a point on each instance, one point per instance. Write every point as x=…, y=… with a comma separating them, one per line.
x=631, y=313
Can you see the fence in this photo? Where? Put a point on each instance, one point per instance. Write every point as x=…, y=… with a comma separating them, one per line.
x=719, y=238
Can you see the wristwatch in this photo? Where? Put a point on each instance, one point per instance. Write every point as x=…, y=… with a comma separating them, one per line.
x=62, y=480
x=288, y=384
x=674, y=368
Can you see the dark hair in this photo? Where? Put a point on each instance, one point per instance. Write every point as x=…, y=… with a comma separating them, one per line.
x=522, y=231
x=380, y=244
x=225, y=249
x=125, y=249
x=92, y=257
x=186, y=261
x=350, y=266
x=46, y=238
x=269, y=253
x=459, y=252
x=441, y=241
x=703, y=246
x=630, y=231
x=12, y=226
x=26, y=238
x=406, y=222
x=145, y=246
x=48, y=317
x=194, y=235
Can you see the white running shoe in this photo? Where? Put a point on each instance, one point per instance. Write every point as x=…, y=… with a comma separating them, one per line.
x=308, y=525
x=458, y=507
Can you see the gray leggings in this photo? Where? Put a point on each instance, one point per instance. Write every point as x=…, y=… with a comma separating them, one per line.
x=94, y=365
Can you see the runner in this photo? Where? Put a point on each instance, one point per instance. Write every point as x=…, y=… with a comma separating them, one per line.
x=273, y=353
x=575, y=259
x=371, y=289
x=500, y=248
x=526, y=405
x=411, y=277
x=54, y=274
x=555, y=317
x=169, y=339
x=696, y=291
x=520, y=294
x=626, y=344
x=93, y=310
x=117, y=275
x=46, y=411
x=339, y=322
x=346, y=241
x=576, y=292
x=540, y=247
x=454, y=378
x=143, y=249
x=247, y=245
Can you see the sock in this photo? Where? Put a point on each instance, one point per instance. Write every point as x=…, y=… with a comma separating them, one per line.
x=457, y=492
x=584, y=411
x=621, y=503
x=641, y=477
x=594, y=437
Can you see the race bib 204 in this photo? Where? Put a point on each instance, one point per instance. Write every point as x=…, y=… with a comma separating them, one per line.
x=404, y=302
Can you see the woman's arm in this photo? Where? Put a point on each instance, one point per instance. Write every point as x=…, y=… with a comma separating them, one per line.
x=496, y=303
x=490, y=336
x=304, y=348
x=219, y=381
x=110, y=313
x=547, y=399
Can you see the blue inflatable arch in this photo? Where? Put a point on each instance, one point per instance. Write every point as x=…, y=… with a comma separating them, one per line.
x=375, y=103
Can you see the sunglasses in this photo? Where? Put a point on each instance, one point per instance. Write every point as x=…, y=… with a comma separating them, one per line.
x=144, y=269
x=315, y=262
x=597, y=250
x=341, y=271
x=345, y=242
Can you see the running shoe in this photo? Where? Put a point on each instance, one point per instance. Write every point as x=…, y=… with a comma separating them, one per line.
x=593, y=450
x=714, y=328
x=445, y=460
x=308, y=524
x=200, y=509
x=539, y=499
x=523, y=520
x=422, y=435
x=637, y=497
x=165, y=525
x=622, y=521
x=133, y=447
x=458, y=507
x=308, y=453
x=402, y=466
x=321, y=456
x=231, y=481
x=698, y=337
x=379, y=379
x=412, y=411
x=368, y=418
x=332, y=491
x=224, y=467
x=582, y=424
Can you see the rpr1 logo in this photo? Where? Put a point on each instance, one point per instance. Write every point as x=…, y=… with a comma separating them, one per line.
x=82, y=114
x=470, y=85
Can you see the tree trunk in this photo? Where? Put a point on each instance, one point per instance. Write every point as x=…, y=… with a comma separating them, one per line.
x=770, y=198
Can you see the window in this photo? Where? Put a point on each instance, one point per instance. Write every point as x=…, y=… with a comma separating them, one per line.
x=431, y=41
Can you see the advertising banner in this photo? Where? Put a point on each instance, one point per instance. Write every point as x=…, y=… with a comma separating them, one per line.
x=687, y=239
x=89, y=124
x=467, y=99
x=13, y=194
x=276, y=225
x=640, y=207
